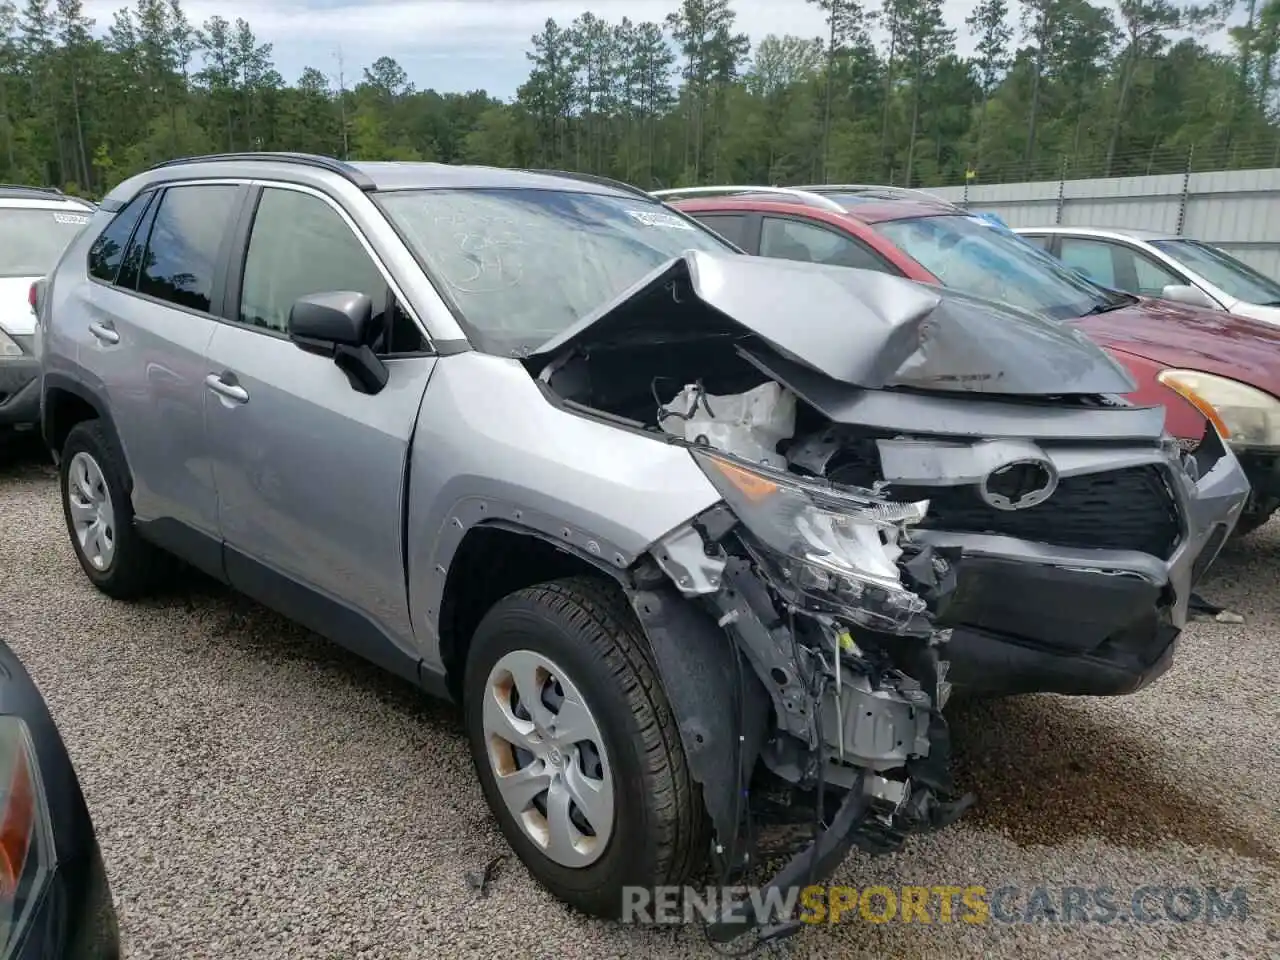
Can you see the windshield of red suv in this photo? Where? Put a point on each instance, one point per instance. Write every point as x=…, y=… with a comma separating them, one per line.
x=971, y=255
x=1223, y=271
x=33, y=238
x=520, y=266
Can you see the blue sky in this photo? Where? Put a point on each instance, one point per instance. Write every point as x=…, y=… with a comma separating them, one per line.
x=459, y=44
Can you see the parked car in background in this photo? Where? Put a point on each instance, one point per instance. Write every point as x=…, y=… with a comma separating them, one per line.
x=36, y=225
x=1196, y=363
x=55, y=902
x=1166, y=266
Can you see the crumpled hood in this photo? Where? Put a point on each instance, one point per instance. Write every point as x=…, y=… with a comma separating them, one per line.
x=1192, y=338
x=861, y=327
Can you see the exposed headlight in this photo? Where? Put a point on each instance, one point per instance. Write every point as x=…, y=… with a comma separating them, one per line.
x=8, y=348
x=833, y=549
x=26, y=846
x=1244, y=415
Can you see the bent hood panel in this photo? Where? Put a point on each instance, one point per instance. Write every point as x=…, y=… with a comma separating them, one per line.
x=860, y=327
x=1197, y=339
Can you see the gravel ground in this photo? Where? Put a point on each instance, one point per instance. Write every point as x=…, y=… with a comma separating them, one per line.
x=260, y=793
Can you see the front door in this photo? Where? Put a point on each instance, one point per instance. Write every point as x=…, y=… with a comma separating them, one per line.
x=309, y=472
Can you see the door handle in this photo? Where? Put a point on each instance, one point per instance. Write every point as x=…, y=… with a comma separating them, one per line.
x=231, y=391
x=103, y=332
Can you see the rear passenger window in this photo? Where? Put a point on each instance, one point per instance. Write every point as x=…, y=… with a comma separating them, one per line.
x=182, y=251
x=108, y=250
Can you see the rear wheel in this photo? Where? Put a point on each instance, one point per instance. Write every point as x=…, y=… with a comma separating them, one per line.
x=99, y=515
x=575, y=746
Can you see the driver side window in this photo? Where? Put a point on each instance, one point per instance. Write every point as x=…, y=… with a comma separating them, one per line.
x=300, y=245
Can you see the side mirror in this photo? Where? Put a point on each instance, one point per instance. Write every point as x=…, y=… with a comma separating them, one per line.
x=341, y=317
x=337, y=325
x=1192, y=296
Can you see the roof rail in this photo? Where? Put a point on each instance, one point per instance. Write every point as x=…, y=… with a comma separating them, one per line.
x=593, y=178
x=331, y=164
x=796, y=193
x=877, y=190
x=26, y=187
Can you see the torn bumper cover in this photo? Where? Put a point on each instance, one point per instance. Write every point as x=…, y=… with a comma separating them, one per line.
x=1097, y=609
x=812, y=605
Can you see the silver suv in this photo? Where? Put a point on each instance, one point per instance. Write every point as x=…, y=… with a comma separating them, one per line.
x=547, y=447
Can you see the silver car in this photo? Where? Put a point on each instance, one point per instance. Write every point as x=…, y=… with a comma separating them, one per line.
x=545, y=446
x=1153, y=264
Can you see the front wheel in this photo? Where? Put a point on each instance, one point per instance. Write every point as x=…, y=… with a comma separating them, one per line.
x=575, y=746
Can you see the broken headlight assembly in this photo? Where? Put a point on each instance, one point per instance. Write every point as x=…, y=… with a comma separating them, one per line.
x=828, y=549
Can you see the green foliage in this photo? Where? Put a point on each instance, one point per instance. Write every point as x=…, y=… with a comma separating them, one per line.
x=1082, y=88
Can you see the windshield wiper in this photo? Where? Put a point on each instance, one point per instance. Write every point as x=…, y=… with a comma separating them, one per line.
x=1104, y=308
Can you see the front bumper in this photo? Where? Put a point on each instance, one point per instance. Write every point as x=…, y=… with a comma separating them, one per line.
x=1034, y=617
x=19, y=391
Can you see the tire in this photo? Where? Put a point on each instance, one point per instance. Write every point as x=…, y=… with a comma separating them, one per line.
x=1252, y=521
x=585, y=630
x=132, y=568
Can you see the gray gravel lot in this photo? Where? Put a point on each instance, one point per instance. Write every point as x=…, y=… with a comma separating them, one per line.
x=261, y=794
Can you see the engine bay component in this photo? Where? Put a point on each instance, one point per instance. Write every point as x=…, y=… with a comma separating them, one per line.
x=748, y=425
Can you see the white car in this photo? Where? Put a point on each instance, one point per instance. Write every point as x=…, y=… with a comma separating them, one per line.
x=1152, y=264
x=36, y=226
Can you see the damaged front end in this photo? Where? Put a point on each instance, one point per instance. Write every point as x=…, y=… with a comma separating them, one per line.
x=837, y=615
x=905, y=473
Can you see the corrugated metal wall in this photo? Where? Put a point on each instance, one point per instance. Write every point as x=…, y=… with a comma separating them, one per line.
x=1238, y=210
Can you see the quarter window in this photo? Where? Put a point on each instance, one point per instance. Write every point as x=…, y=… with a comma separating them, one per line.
x=733, y=227
x=1150, y=276
x=107, y=251
x=300, y=246
x=182, y=251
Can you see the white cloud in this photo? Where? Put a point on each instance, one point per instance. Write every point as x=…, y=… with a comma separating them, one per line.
x=462, y=44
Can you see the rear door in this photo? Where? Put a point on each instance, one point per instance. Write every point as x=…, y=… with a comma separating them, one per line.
x=310, y=473
x=157, y=273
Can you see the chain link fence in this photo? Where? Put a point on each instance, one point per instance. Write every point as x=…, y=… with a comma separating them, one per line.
x=1194, y=158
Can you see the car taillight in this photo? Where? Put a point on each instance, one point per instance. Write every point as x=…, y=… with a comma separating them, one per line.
x=33, y=295
x=25, y=844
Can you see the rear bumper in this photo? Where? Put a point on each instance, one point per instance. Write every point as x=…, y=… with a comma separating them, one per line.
x=19, y=392
x=1032, y=617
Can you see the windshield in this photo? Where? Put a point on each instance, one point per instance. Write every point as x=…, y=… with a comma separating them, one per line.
x=522, y=265
x=975, y=257
x=1222, y=270
x=33, y=238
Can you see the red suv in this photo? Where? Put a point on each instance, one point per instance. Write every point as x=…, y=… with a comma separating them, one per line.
x=1178, y=355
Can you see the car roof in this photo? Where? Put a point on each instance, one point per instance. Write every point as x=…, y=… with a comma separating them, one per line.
x=372, y=176
x=866, y=209
x=1127, y=233
x=15, y=196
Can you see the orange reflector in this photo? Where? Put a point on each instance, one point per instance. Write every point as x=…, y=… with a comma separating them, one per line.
x=753, y=486
x=16, y=824
x=1200, y=403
